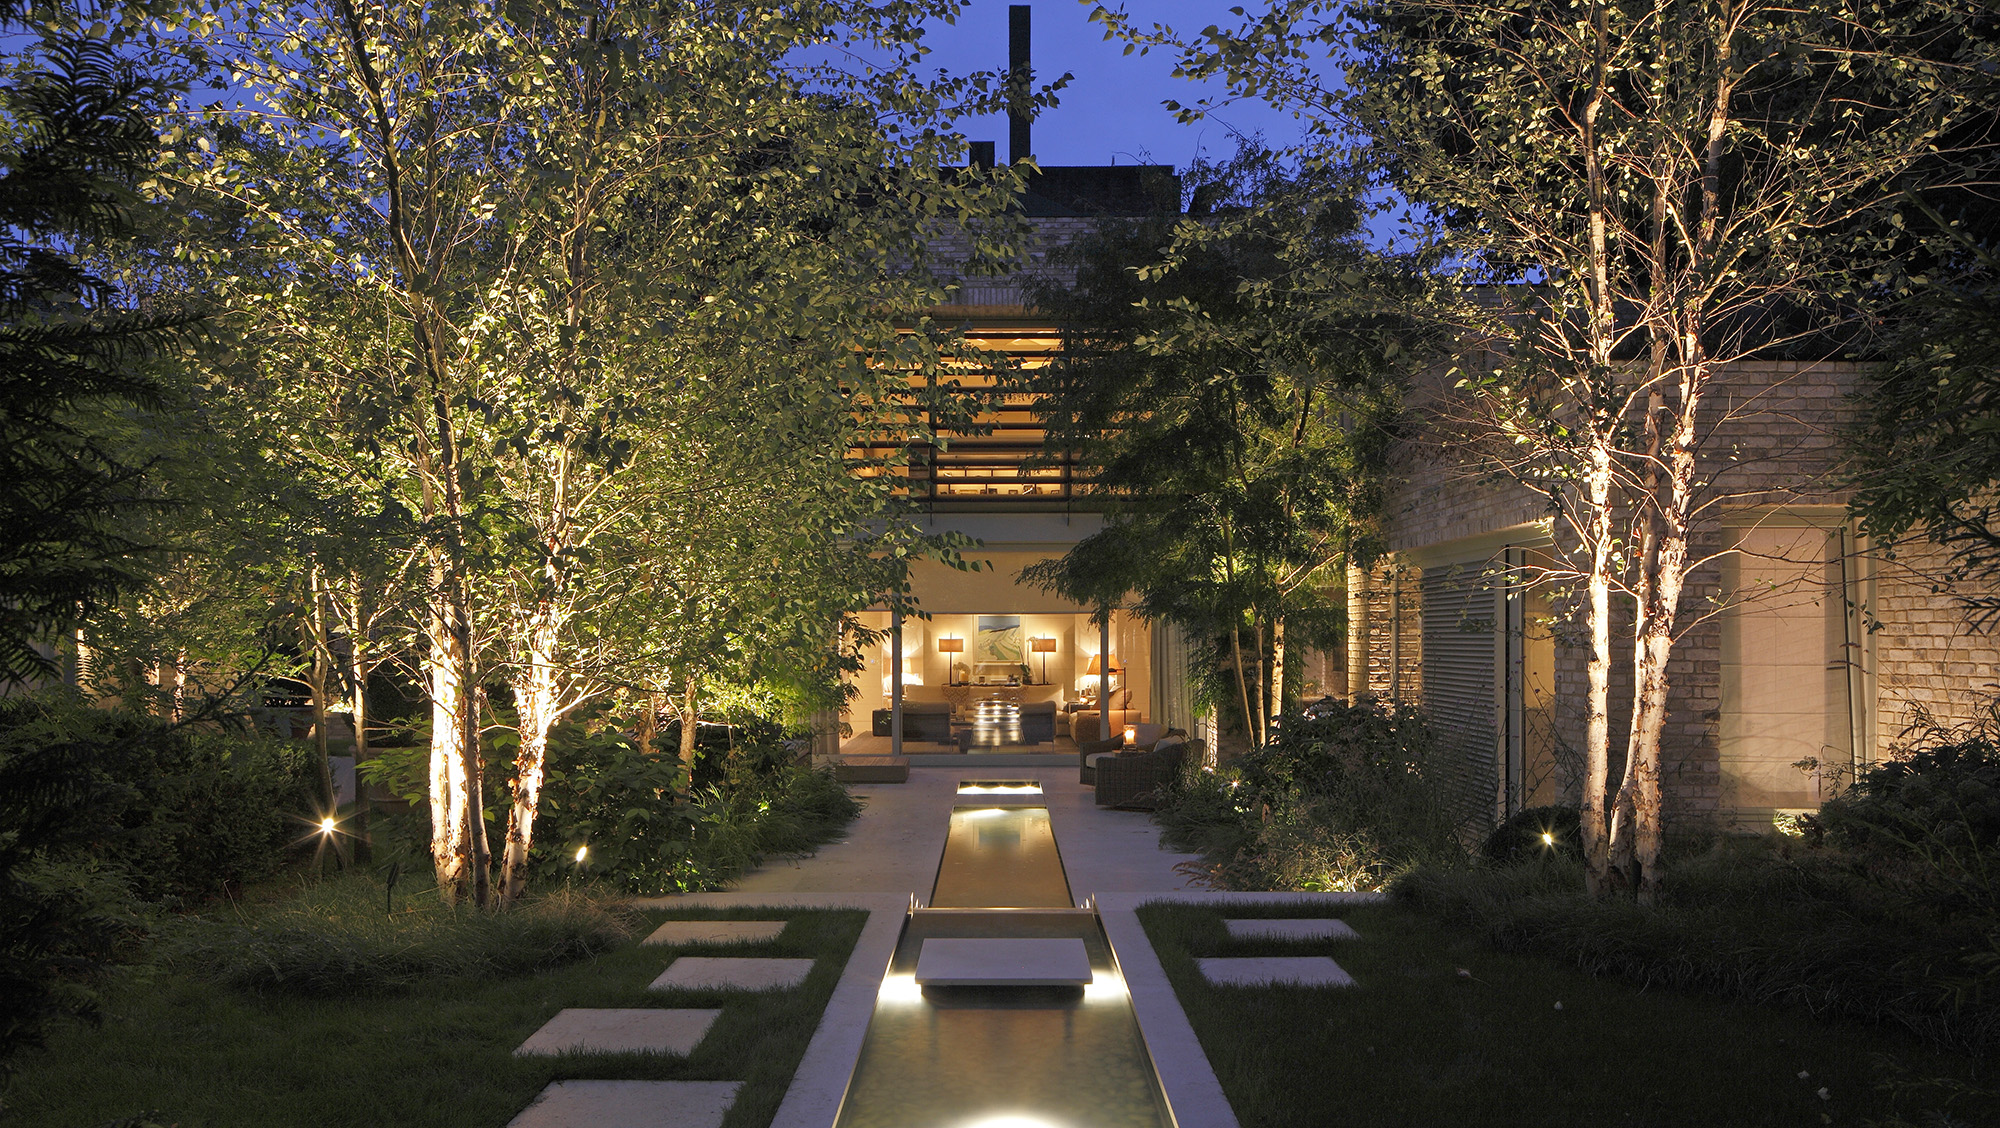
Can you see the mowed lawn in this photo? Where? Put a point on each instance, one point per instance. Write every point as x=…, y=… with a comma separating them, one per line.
x=1440, y=1031
x=437, y=1056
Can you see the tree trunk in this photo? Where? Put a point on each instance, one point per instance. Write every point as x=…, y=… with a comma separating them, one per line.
x=1242, y=683
x=1278, y=667
x=357, y=667
x=322, y=673
x=688, y=728
x=535, y=708
x=451, y=855
x=1596, y=829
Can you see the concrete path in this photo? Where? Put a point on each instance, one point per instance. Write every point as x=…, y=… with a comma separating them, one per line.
x=895, y=845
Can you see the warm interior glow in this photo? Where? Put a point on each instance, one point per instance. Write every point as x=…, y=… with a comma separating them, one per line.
x=950, y=645
x=1131, y=734
x=1043, y=645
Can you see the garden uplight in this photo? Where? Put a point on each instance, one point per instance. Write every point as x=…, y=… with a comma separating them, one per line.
x=1548, y=839
x=581, y=853
x=327, y=824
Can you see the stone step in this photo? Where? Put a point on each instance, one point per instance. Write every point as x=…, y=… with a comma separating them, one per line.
x=1290, y=929
x=734, y=973
x=1270, y=971
x=716, y=932
x=1049, y=962
x=630, y=1104
x=619, y=1031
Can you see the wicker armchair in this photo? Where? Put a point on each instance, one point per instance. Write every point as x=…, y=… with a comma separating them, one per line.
x=1133, y=780
x=1089, y=748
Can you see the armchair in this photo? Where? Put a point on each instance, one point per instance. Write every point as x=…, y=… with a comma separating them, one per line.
x=1133, y=780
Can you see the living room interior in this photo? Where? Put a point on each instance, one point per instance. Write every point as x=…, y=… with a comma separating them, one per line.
x=976, y=683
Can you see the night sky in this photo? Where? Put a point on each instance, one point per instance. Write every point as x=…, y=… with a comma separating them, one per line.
x=1110, y=112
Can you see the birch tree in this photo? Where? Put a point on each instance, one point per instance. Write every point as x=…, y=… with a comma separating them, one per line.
x=1655, y=190
x=538, y=224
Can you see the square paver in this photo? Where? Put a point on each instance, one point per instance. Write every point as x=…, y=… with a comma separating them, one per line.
x=620, y=1031
x=1267, y=971
x=1290, y=930
x=630, y=1104
x=737, y=973
x=716, y=932
x=1050, y=962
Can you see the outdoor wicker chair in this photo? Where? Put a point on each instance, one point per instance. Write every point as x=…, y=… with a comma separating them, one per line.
x=1089, y=748
x=1133, y=780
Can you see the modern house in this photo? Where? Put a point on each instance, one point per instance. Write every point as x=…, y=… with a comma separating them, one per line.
x=1014, y=665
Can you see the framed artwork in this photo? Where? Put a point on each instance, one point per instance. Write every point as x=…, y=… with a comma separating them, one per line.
x=999, y=640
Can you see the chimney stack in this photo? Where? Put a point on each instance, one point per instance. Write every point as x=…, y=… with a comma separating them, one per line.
x=1019, y=77
x=982, y=155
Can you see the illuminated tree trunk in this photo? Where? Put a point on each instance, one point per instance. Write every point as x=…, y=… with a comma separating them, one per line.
x=536, y=709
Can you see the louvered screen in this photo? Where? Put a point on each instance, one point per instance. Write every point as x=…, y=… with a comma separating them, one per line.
x=1460, y=678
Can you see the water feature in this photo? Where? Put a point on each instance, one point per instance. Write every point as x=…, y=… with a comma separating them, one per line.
x=1003, y=1057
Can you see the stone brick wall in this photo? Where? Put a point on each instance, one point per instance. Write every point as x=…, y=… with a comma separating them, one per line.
x=1924, y=652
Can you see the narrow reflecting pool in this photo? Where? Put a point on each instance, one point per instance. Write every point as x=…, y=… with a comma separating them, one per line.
x=1003, y=1057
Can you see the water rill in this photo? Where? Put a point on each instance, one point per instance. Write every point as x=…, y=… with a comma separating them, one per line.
x=1048, y=1049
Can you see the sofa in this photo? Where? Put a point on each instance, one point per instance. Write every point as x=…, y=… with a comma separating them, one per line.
x=1083, y=723
x=928, y=721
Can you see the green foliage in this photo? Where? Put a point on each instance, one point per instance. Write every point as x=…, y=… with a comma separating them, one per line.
x=1338, y=801
x=100, y=811
x=181, y=813
x=1761, y=920
x=336, y=939
x=72, y=355
x=646, y=830
x=1536, y=832
x=1927, y=820
x=1231, y=383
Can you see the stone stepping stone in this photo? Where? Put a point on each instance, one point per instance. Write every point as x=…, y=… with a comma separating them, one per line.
x=1269, y=971
x=630, y=1104
x=1050, y=962
x=620, y=1031
x=736, y=973
x=715, y=932
x=1290, y=929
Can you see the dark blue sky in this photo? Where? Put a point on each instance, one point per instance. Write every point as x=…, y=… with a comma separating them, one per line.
x=1110, y=112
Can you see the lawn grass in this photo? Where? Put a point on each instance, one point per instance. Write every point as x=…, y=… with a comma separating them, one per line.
x=437, y=1055
x=1417, y=1043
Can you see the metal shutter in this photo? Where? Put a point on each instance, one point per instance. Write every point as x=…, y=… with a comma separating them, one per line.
x=1460, y=676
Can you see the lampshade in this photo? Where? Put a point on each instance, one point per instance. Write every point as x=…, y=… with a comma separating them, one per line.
x=1042, y=645
x=1096, y=666
x=950, y=645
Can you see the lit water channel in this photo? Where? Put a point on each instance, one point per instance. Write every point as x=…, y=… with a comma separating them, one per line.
x=1003, y=1057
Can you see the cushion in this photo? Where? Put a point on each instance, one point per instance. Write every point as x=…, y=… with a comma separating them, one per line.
x=1094, y=757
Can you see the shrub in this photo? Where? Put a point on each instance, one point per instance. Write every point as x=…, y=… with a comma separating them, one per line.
x=337, y=939
x=1927, y=821
x=1761, y=920
x=1536, y=832
x=1342, y=799
x=100, y=811
x=648, y=832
